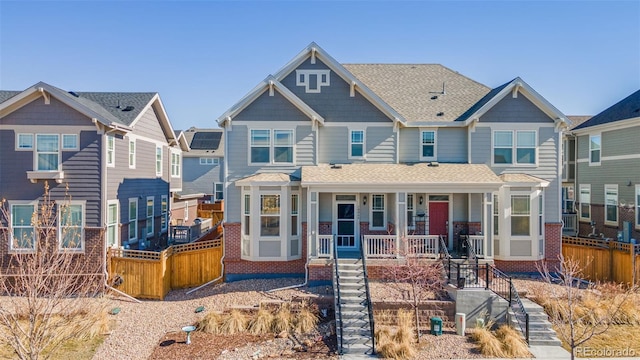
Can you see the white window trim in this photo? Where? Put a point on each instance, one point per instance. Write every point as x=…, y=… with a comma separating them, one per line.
x=35, y=155
x=533, y=217
x=176, y=167
x=514, y=148
x=435, y=145
x=111, y=147
x=30, y=148
x=596, y=163
x=13, y=250
x=607, y=221
x=209, y=161
x=215, y=191
x=147, y=217
x=586, y=187
x=411, y=206
x=364, y=144
x=132, y=153
x=637, y=201
x=272, y=147
x=164, y=213
x=133, y=239
x=76, y=144
x=302, y=79
x=59, y=206
x=159, y=160
x=116, y=223
x=384, y=213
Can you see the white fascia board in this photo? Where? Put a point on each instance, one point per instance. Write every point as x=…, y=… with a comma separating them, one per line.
x=614, y=125
x=259, y=90
x=344, y=74
x=436, y=124
x=165, y=124
x=400, y=187
x=542, y=184
x=530, y=94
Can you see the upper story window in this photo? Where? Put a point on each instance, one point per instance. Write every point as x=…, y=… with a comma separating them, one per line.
x=23, y=234
x=595, y=145
x=71, y=226
x=522, y=151
x=48, y=152
x=69, y=141
x=356, y=144
x=611, y=204
x=111, y=151
x=175, y=164
x=132, y=154
x=271, y=147
x=159, y=160
x=24, y=142
x=378, y=218
x=585, y=202
x=428, y=145
x=218, y=189
x=209, y=161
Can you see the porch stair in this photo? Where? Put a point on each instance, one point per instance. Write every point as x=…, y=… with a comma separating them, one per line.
x=467, y=272
x=352, y=315
x=540, y=331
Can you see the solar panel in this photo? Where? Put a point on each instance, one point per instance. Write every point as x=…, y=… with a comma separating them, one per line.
x=206, y=140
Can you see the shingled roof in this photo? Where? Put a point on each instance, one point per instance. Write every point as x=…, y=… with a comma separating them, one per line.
x=421, y=92
x=627, y=108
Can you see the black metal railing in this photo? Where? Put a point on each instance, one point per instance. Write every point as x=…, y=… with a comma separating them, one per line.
x=338, y=309
x=444, y=251
x=369, y=306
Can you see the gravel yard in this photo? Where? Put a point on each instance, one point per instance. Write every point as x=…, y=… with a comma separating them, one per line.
x=140, y=329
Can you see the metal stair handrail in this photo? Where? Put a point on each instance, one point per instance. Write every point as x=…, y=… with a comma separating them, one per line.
x=519, y=308
x=338, y=310
x=443, y=248
x=497, y=283
x=372, y=326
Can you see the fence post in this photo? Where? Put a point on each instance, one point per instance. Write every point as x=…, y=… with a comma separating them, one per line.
x=486, y=271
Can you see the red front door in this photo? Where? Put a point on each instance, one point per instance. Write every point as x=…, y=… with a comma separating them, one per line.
x=438, y=218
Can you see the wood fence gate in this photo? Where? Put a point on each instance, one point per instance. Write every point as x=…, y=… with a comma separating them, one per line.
x=151, y=274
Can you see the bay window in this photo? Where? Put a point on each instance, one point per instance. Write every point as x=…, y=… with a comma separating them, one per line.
x=269, y=215
x=520, y=215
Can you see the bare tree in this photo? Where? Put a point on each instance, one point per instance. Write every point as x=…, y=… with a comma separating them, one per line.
x=414, y=277
x=50, y=290
x=564, y=291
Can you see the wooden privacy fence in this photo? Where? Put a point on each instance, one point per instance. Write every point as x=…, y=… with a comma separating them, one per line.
x=603, y=260
x=151, y=274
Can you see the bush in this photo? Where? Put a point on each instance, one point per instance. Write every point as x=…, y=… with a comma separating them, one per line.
x=235, y=322
x=306, y=320
x=261, y=323
x=283, y=319
x=211, y=323
x=487, y=342
x=512, y=342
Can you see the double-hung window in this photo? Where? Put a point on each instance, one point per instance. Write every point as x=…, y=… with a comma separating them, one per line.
x=71, y=226
x=269, y=215
x=218, y=191
x=132, y=154
x=271, y=146
x=428, y=145
x=112, y=223
x=611, y=204
x=283, y=146
x=133, y=219
x=496, y=216
x=294, y=214
x=595, y=146
x=520, y=215
x=356, y=144
x=175, y=164
x=411, y=224
x=247, y=215
x=48, y=152
x=111, y=150
x=260, y=146
x=164, y=209
x=377, y=212
x=150, y=216
x=522, y=151
x=585, y=202
x=158, y=160
x=23, y=234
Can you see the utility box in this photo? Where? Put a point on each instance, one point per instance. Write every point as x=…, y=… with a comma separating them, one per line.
x=461, y=323
x=436, y=326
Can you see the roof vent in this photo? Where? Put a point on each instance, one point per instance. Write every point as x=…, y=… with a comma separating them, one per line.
x=73, y=93
x=434, y=97
x=440, y=113
x=128, y=108
x=335, y=166
x=434, y=164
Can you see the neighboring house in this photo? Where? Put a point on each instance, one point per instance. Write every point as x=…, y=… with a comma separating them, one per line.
x=569, y=211
x=608, y=171
x=323, y=152
x=116, y=152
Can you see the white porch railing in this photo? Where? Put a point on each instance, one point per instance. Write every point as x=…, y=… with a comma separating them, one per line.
x=325, y=246
x=380, y=246
x=423, y=245
x=477, y=243
x=570, y=223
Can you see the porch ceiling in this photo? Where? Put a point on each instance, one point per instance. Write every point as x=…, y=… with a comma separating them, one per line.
x=463, y=177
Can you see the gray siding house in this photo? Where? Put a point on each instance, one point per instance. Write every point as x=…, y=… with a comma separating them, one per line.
x=608, y=171
x=116, y=153
x=203, y=164
x=376, y=154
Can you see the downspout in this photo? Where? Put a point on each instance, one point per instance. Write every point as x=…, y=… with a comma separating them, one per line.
x=306, y=272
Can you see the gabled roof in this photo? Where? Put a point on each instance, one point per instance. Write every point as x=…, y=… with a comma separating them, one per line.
x=204, y=142
x=627, y=108
x=118, y=110
x=499, y=93
x=269, y=84
x=420, y=92
x=576, y=120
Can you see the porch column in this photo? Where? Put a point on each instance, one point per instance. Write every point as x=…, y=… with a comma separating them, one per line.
x=312, y=223
x=401, y=218
x=487, y=225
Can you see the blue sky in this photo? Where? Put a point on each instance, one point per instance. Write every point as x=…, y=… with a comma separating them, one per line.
x=203, y=56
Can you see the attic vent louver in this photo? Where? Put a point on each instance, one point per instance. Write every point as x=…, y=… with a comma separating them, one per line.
x=128, y=108
x=73, y=93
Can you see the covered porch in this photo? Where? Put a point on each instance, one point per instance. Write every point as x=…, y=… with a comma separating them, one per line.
x=387, y=211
